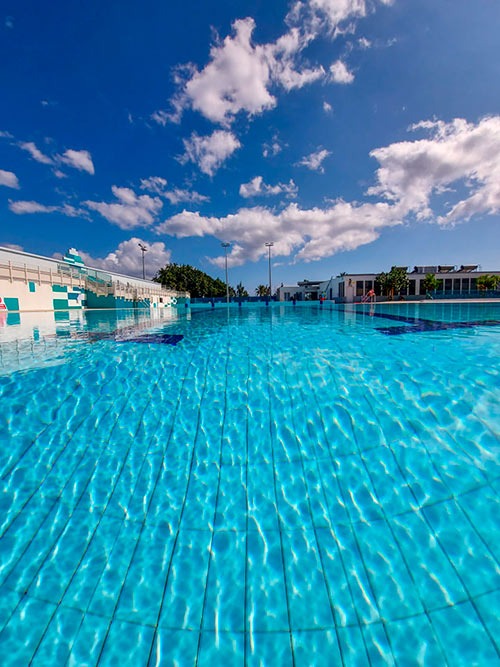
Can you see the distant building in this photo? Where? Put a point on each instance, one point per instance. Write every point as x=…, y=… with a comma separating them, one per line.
x=455, y=282
x=34, y=283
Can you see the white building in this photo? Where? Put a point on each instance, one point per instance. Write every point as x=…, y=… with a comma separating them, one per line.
x=34, y=283
x=455, y=282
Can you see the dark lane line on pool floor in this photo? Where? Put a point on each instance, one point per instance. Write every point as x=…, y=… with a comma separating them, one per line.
x=420, y=325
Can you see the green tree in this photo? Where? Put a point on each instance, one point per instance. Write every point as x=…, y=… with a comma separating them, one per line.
x=431, y=283
x=184, y=277
x=382, y=284
x=393, y=282
x=240, y=290
x=487, y=282
x=262, y=290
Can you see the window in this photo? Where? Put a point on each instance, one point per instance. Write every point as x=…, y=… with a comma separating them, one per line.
x=341, y=290
x=465, y=284
x=447, y=284
x=368, y=285
x=421, y=289
x=473, y=285
x=359, y=288
x=411, y=287
x=456, y=284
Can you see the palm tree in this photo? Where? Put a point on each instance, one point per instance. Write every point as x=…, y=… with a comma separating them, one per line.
x=487, y=283
x=240, y=290
x=262, y=290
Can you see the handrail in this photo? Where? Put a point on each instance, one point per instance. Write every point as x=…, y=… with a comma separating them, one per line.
x=71, y=276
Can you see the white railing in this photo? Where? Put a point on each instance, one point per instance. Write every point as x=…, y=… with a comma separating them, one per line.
x=16, y=273
x=95, y=281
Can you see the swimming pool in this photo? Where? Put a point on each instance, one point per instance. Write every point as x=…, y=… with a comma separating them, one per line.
x=259, y=485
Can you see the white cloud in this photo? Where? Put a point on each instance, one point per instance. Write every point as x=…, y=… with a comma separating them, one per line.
x=314, y=161
x=13, y=246
x=327, y=108
x=242, y=76
x=257, y=187
x=158, y=185
x=455, y=153
x=239, y=76
x=364, y=43
x=236, y=78
x=178, y=195
x=28, y=207
x=35, y=153
x=6, y=135
x=127, y=258
x=307, y=235
x=340, y=73
x=9, y=179
x=211, y=151
x=452, y=159
x=282, y=56
x=160, y=117
x=81, y=160
x=130, y=211
x=335, y=16
x=272, y=149
x=155, y=184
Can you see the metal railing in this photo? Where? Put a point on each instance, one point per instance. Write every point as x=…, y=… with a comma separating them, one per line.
x=23, y=273
x=98, y=282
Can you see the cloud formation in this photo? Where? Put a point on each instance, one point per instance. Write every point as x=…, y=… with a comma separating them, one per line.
x=80, y=160
x=314, y=161
x=29, y=207
x=178, y=195
x=9, y=179
x=209, y=152
x=454, y=157
x=127, y=258
x=35, y=152
x=340, y=73
x=458, y=153
x=308, y=234
x=130, y=210
x=273, y=148
x=242, y=76
x=330, y=15
x=158, y=185
x=257, y=187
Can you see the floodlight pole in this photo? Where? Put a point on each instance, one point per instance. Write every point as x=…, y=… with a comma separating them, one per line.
x=226, y=246
x=269, y=246
x=143, y=250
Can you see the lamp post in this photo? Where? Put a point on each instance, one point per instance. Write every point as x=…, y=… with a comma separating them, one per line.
x=269, y=246
x=143, y=250
x=226, y=246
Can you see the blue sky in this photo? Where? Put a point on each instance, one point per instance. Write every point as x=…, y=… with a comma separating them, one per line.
x=354, y=134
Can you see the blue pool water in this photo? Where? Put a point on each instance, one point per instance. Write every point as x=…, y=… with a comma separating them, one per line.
x=251, y=486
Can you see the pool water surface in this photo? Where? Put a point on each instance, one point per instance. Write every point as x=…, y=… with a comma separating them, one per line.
x=256, y=485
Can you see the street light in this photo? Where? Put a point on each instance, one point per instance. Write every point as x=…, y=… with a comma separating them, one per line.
x=269, y=246
x=143, y=250
x=226, y=246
